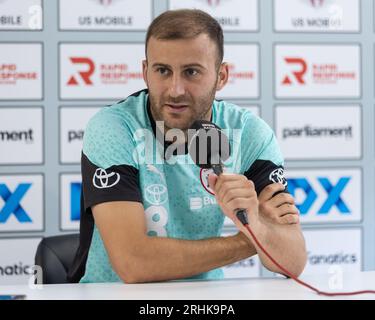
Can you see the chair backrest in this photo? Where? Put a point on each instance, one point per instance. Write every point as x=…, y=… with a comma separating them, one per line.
x=55, y=256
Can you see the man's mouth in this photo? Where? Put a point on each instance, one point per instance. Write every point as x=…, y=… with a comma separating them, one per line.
x=176, y=107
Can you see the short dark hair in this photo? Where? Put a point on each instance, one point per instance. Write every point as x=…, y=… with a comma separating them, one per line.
x=186, y=24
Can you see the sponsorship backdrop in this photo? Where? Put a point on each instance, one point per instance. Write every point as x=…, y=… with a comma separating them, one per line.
x=305, y=66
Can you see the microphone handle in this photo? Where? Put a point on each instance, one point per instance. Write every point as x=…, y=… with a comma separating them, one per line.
x=218, y=168
x=241, y=214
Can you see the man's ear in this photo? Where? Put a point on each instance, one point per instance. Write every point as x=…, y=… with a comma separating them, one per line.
x=223, y=76
x=144, y=70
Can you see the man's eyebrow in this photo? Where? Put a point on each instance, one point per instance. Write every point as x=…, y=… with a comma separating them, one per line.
x=190, y=65
x=158, y=64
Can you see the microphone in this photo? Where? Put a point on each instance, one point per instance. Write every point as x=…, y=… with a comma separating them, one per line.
x=208, y=147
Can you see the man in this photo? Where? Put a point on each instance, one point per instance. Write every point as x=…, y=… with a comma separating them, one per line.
x=143, y=222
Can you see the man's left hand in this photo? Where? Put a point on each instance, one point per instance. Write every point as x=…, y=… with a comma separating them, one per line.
x=280, y=208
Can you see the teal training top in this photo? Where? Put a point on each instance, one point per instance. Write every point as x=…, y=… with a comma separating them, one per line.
x=124, y=159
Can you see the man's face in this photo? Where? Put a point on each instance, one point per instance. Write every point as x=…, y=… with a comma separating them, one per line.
x=182, y=79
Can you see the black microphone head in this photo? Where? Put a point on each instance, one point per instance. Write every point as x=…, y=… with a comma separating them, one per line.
x=207, y=144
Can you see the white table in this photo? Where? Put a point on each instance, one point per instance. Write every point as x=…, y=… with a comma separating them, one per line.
x=227, y=289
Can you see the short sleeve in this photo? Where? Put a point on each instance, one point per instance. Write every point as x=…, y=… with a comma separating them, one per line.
x=108, y=165
x=261, y=156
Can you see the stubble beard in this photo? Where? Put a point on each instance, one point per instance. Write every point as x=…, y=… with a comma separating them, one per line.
x=203, y=115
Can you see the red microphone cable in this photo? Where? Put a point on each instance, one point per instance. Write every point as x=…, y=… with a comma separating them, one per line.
x=287, y=273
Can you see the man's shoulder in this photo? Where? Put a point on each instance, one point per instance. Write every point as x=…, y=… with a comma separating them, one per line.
x=230, y=115
x=109, y=134
x=135, y=100
x=129, y=110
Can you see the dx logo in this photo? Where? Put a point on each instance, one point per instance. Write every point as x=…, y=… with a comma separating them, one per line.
x=12, y=203
x=332, y=197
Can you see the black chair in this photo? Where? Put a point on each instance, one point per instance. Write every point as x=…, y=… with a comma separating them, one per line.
x=55, y=255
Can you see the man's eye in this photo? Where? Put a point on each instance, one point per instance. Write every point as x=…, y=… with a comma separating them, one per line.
x=162, y=71
x=191, y=72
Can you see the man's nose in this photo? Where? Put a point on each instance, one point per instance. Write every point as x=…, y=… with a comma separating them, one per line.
x=176, y=87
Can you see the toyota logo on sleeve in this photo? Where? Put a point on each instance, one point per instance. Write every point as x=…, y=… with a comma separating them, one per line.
x=102, y=179
x=277, y=176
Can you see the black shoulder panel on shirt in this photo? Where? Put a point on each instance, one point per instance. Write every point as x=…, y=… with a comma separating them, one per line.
x=116, y=183
x=265, y=172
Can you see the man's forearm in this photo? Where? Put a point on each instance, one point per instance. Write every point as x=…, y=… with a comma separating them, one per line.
x=285, y=243
x=161, y=259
